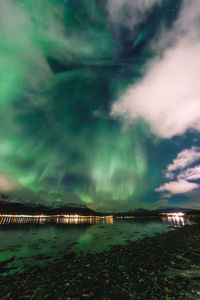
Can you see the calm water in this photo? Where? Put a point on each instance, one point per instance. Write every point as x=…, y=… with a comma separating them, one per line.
x=35, y=242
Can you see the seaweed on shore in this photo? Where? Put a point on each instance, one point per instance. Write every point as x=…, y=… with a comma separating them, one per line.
x=166, y=266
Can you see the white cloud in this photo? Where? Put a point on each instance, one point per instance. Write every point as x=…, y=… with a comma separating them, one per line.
x=184, y=159
x=168, y=96
x=178, y=187
x=128, y=12
x=6, y=183
x=190, y=174
x=180, y=173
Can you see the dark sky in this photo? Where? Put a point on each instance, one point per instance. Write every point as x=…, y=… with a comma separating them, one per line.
x=100, y=102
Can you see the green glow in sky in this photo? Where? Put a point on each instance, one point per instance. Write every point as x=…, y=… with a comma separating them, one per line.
x=62, y=65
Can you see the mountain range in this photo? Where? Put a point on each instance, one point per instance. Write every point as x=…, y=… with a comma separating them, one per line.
x=9, y=206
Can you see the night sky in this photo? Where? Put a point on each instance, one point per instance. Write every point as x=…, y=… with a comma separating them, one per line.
x=100, y=103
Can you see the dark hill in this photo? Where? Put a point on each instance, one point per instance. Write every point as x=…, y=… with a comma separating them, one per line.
x=7, y=207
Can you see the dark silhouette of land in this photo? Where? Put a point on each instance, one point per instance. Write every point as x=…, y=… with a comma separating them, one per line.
x=8, y=206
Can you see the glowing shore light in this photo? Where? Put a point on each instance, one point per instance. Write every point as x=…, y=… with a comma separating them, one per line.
x=42, y=219
x=178, y=214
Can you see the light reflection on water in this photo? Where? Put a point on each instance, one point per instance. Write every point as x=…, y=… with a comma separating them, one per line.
x=13, y=219
x=177, y=221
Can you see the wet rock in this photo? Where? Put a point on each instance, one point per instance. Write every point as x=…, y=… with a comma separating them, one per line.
x=70, y=256
x=121, y=267
x=183, y=258
x=7, y=297
x=144, y=269
x=39, y=294
x=183, y=273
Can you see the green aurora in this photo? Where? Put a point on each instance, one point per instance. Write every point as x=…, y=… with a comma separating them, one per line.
x=62, y=66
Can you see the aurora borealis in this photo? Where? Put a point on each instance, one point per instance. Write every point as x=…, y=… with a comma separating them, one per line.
x=100, y=102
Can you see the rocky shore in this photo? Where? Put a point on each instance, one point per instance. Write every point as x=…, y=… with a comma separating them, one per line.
x=166, y=266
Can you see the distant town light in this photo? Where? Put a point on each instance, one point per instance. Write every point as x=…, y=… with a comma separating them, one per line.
x=178, y=214
x=42, y=219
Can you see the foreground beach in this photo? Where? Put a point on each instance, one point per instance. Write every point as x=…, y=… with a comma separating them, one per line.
x=166, y=266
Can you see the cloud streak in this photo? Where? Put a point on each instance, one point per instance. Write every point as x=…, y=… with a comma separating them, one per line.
x=7, y=184
x=177, y=187
x=129, y=13
x=183, y=160
x=190, y=174
x=168, y=95
x=182, y=173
